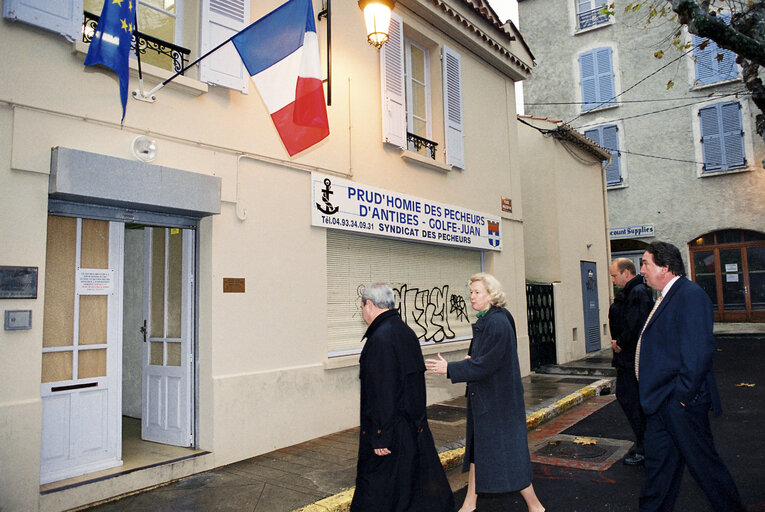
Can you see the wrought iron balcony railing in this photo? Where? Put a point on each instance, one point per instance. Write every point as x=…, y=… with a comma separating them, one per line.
x=144, y=41
x=418, y=143
x=592, y=18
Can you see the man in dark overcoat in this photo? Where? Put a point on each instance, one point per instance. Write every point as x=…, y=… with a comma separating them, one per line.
x=398, y=467
x=626, y=318
x=673, y=364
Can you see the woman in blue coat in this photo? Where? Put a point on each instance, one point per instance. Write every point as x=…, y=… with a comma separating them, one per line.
x=496, y=451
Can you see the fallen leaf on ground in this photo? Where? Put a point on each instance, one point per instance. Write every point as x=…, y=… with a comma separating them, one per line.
x=585, y=440
x=744, y=385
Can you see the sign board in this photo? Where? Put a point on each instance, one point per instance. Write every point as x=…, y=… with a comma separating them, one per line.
x=641, y=231
x=337, y=203
x=94, y=281
x=18, y=282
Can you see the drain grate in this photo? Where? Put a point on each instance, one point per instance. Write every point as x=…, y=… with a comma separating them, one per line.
x=570, y=450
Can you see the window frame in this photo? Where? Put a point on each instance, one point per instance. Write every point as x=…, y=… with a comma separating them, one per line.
x=708, y=58
x=597, y=17
x=408, y=79
x=600, y=130
x=600, y=100
x=724, y=166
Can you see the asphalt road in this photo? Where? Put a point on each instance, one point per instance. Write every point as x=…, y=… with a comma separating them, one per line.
x=739, y=437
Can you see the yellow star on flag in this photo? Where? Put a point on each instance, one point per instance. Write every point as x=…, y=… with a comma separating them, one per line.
x=124, y=24
x=118, y=2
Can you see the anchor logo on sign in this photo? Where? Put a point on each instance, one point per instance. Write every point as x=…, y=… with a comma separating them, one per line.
x=328, y=208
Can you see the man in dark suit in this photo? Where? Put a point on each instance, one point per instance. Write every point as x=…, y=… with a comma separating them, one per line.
x=626, y=318
x=673, y=365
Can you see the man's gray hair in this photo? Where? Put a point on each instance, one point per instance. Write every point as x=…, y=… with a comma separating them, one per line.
x=380, y=294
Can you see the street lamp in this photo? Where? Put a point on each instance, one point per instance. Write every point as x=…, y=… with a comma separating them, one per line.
x=377, y=18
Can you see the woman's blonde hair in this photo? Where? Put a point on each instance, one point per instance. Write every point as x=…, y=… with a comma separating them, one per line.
x=493, y=286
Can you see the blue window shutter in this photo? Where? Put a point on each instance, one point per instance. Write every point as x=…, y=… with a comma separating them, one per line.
x=608, y=138
x=605, y=74
x=593, y=135
x=709, y=69
x=611, y=143
x=732, y=135
x=710, y=138
x=588, y=80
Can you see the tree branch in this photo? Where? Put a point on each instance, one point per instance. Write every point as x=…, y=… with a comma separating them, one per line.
x=704, y=24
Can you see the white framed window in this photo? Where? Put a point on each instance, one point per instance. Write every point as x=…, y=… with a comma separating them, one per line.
x=607, y=137
x=596, y=78
x=417, y=80
x=406, y=84
x=722, y=137
x=712, y=64
x=588, y=14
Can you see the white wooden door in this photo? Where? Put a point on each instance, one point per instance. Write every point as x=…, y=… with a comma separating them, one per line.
x=82, y=326
x=168, y=328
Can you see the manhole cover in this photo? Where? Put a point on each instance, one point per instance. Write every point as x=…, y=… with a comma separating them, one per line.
x=570, y=450
x=445, y=413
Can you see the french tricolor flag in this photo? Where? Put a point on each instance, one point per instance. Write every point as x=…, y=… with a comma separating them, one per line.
x=281, y=53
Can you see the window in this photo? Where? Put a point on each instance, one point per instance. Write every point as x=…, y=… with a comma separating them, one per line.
x=713, y=64
x=162, y=19
x=417, y=90
x=722, y=137
x=608, y=138
x=588, y=14
x=597, y=78
x=406, y=94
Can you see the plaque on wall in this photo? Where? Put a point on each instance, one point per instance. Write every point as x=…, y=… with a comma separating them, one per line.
x=18, y=282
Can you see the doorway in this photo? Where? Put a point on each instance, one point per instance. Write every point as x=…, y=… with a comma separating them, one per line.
x=730, y=266
x=118, y=345
x=590, y=305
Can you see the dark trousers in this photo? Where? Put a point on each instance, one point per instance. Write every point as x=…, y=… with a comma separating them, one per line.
x=629, y=398
x=676, y=436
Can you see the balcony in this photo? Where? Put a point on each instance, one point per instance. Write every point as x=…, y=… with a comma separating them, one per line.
x=592, y=18
x=166, y=53
x=416, y=143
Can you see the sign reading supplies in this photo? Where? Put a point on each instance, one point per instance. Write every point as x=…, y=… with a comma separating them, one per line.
x=343, y=204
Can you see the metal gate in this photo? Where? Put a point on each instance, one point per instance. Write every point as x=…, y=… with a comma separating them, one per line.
x=541, y=319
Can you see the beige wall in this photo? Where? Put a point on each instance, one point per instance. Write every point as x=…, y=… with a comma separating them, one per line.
x=564, y=212
x=264, y=378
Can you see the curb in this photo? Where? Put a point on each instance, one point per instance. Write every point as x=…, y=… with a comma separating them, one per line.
x=341, y=502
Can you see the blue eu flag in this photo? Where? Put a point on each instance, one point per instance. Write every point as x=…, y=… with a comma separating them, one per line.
x=110, y=45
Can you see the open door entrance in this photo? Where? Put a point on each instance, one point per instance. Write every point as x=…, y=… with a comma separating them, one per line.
x=167, y=335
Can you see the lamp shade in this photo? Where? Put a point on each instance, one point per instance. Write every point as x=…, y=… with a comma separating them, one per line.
x=377, y=19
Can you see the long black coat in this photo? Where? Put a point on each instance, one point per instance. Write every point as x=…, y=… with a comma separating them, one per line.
x=496, y=417
x=393, y=416
x=626, y=318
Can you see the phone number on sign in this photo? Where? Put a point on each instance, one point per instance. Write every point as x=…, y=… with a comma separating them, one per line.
x=348, y=223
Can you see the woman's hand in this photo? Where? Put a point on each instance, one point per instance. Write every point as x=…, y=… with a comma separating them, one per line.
x=436, y=365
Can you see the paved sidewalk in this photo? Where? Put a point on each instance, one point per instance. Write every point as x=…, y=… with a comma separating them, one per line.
x=318, y=475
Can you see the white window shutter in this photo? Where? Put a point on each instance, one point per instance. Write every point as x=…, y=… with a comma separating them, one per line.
x=221, y=19
x=62, y=16
x=452, y=79
x=392, y=83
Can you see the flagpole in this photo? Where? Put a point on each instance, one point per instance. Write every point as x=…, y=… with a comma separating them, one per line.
x=139, y=94
x=150, y=95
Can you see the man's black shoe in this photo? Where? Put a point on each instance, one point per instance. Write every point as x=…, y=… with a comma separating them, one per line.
x=634, y=460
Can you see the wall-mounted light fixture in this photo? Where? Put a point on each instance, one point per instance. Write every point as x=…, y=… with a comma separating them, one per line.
x=144, y=148
x=377, y=19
